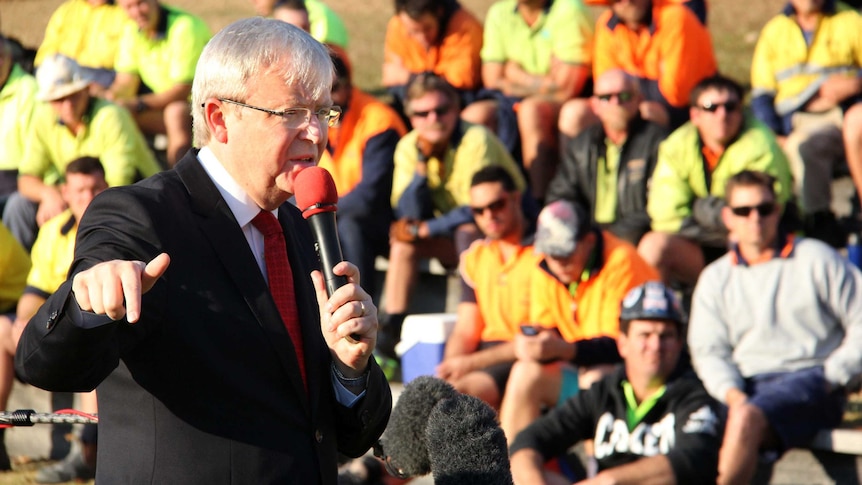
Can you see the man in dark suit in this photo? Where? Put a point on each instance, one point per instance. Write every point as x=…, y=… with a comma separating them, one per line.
x=168, y=309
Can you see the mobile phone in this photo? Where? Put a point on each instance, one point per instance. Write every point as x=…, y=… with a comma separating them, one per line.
x=530, y=330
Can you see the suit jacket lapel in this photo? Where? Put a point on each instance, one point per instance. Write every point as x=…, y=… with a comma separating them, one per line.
x=225, y=236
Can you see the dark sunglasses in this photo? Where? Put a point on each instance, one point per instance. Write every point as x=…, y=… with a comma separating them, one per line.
x=713, y=107
x=763, y=209
x=622, y=96
x=495, y=206
x=439, y=111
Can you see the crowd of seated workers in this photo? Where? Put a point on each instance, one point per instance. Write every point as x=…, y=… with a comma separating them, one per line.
x=629, y=225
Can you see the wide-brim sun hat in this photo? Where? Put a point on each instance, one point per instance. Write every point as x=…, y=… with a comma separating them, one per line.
x=58, y=77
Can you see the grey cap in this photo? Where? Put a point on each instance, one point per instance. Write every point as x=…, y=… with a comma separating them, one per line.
x=560, y=226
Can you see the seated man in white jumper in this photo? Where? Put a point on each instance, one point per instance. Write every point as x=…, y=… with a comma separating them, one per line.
x=775, y=331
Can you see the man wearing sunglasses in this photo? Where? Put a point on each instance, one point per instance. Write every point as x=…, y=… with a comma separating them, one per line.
x=608, y=166
x=495, y=301
x=775, y=330
x=575, y=301
x=359, y=156
x=804, y=76
x=434, y=164
x=694, y=162
x=661, y=44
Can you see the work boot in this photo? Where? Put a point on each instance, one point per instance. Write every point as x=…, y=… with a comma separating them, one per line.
x=365, y=470
x=71, y=468
x=389, y=335
x=5, y=463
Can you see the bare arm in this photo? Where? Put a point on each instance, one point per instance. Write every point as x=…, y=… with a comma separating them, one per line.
x=492, y=75
x=453, y=368
x=561, y=83
x=157, y=101
x=566, y=80
x=655, y=112
x=34, y=189
x=735, y=397
x=528, y=469
x=655, y=470
x=47, y=196
x=835, y=90
x=467, y=332
x=28, y=305
x=503, y=352
x=125, y=87
x=544, y=346
x=394, y=72
x=462, y=355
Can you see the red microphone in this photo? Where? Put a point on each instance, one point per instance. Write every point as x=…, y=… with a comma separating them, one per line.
x=317, y=197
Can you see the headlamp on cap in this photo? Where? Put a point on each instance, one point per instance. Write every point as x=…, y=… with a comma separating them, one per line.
x=651, y=301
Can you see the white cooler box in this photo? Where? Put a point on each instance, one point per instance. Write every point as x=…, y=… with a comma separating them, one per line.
x=423, y=338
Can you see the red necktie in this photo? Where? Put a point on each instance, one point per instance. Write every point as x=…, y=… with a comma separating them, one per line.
x=281, y=280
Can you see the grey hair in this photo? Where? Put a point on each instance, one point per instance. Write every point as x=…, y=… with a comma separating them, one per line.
x=253, y=47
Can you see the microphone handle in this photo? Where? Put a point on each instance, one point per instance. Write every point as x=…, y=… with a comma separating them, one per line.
x=328, y=248
x=335, y=283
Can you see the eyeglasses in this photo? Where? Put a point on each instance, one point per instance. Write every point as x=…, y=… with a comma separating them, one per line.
x=495, y=206
x=763, y=209
x=622, y=96
x=297, y=118
x=439, y=111
x=729, y=106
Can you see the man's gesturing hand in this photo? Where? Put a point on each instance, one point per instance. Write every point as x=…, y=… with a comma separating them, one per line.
x=114, y=288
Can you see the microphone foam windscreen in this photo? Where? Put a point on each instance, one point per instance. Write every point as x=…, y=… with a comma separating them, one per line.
x=465, y=444
x=404, y=438
x=315, y=191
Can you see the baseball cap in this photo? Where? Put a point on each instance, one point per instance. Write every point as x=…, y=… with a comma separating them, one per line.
x=560, y=226
x=651, y=301
x=58, y=77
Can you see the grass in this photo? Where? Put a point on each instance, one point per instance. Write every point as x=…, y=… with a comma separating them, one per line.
x=25, y=474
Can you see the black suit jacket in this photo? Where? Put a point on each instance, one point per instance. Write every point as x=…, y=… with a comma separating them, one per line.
x=204, y=388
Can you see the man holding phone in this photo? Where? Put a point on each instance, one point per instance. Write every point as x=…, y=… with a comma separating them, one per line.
x=495, y=275
x=574, y=309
